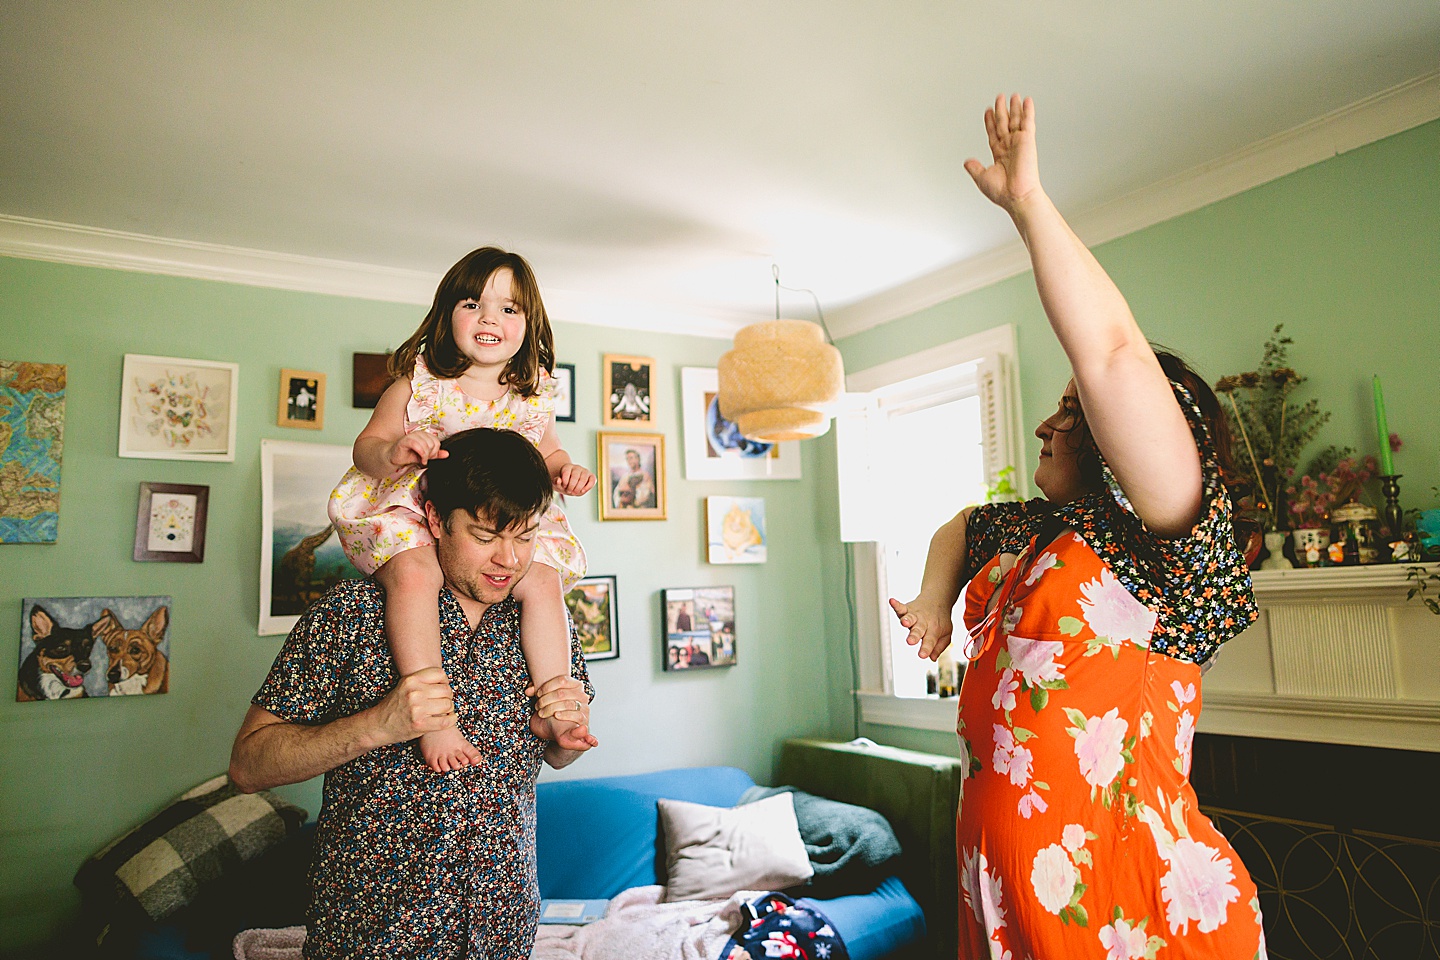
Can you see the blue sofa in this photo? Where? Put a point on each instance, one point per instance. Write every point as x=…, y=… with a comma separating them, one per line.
x=600, y=836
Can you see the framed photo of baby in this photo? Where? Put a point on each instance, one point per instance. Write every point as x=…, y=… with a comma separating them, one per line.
x=632, y=468
x=627, y=391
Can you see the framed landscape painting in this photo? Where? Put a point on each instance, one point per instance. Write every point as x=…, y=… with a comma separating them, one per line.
x=300, y=555
x=592, y=610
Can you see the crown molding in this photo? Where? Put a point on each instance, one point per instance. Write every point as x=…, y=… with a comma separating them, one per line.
x=32, y=239
x=1385, y=114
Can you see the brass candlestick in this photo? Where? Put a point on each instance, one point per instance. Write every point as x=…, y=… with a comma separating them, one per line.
x=1390, y=486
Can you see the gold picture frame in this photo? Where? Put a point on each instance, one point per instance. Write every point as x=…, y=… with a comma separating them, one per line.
x=632, y=475
x=302, y=399
x=628, y=398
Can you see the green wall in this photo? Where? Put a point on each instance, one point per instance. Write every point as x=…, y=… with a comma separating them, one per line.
x=1346, y=253
x=75, y=774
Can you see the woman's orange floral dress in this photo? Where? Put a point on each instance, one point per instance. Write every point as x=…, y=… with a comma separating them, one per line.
x=1079, y=834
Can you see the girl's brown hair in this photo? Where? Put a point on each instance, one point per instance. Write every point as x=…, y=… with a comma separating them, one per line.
x=1088, y=460
x=435, y=337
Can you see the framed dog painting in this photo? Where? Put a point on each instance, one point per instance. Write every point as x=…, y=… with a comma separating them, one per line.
x=77, y=647
x=627, y=399
x=632, y=472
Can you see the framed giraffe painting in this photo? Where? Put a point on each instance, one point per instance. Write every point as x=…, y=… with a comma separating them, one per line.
x=300, y=555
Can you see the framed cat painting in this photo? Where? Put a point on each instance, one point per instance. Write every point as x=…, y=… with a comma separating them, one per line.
x=735, y=529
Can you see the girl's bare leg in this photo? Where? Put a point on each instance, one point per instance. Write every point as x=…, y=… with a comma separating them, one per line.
x=544, y=636
x=412, y=582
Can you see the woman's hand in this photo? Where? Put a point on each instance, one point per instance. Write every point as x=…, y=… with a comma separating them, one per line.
x=573, y=480
x=1014, y=175
x=419, y=447
x=929, y=625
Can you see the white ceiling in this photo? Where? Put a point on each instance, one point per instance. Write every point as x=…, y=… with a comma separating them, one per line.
x=650, y=158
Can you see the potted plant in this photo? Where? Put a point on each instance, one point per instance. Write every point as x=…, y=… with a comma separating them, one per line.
x=1273, y=431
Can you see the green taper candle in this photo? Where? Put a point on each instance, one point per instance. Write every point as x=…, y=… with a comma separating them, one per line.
x=1387, y=461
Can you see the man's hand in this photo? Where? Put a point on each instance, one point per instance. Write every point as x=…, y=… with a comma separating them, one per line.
x=574, y=480
x=420, y=703
x=563, y=699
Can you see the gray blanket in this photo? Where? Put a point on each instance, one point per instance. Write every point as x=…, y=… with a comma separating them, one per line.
x=848, y=846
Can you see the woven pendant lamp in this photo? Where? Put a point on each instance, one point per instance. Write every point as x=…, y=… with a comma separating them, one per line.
x=782, y=380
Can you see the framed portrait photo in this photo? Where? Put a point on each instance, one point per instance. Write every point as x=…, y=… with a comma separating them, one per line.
x=174, y=409
x=170, y=523
x=565, y=392
x=632, y=474
x=592, y=610
x=302, y=399
x=714, y=447
x=699, y=627
x=627, y=398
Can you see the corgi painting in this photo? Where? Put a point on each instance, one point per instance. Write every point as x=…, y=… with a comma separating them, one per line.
x=81, y=647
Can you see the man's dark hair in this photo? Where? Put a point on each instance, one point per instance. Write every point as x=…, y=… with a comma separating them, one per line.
x=494, y=474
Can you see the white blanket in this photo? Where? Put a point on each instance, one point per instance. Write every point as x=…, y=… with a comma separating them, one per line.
x=638, y=926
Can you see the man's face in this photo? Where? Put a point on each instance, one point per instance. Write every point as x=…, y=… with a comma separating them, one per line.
x=478, y=561
x=632, y=460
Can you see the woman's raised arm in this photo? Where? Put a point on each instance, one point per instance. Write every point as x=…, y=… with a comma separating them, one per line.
x=1128, y=403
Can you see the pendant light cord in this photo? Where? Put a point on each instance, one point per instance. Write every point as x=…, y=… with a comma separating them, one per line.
x=775, y=272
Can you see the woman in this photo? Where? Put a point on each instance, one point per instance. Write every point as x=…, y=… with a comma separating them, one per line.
x=1087, y=618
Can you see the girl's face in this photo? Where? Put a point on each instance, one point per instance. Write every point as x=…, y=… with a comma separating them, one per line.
x=1058, y=472
x=491, y=330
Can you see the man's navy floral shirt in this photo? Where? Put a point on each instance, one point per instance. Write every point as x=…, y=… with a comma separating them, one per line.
x=411, y=863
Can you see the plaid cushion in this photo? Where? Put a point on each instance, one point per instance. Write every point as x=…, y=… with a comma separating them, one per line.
x=161, y=865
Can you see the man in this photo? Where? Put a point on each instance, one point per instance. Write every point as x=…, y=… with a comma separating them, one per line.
x=411, y=863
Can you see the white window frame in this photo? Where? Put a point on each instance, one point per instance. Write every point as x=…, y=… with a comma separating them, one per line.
x=987, y=362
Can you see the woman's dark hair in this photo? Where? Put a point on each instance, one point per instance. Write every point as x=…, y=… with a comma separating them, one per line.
x=435, y=337
x=497, y=473
x=1088, y=460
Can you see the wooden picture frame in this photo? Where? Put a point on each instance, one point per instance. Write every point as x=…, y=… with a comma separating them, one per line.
x=170, y=522
x=632, y=476
x=302, y=399
x=369, y=376
x=698, y=624
x=177, y=409
x=628, y=395
x=565, y=392
x=592, y=604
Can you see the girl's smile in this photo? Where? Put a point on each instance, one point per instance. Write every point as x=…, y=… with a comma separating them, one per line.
x=491, y=329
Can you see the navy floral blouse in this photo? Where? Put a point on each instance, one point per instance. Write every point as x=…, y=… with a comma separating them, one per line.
x=411, y=863
x=1198, y=585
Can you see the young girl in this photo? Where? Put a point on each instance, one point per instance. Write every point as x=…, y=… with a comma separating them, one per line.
x=481, y=358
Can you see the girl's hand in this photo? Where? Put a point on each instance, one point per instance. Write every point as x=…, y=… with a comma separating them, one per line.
x=574, y=480
x=929, y=625
x=1015, y=173
x=419, y=447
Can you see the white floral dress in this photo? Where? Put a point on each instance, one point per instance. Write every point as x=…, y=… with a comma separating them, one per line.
x=377, y=519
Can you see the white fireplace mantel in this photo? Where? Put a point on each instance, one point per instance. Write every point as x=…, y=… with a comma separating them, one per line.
x=1338, y=655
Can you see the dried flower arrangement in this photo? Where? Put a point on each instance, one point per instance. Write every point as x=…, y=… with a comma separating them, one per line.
x=1272, y=430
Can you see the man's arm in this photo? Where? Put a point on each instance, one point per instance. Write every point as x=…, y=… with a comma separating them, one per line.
x=270, y=751
x=565, y=699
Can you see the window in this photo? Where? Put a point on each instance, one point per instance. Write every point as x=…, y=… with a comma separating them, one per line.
x=928, y=434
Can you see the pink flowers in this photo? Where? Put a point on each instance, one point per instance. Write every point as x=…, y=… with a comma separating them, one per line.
x=1311, y=500
x=1113, y=613
x=1100, y=746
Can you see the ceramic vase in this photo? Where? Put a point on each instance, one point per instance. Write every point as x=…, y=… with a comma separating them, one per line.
x=1275, y=543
